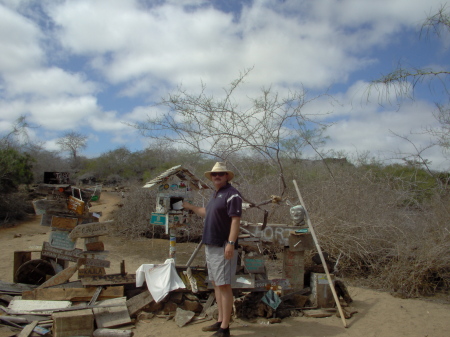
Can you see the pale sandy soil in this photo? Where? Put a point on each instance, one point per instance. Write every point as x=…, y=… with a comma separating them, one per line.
x=379, y=313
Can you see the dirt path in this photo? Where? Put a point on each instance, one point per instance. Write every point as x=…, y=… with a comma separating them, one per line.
x=379, y=314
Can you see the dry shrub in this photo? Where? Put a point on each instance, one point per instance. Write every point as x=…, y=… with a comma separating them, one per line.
x=363, y=222
x=132, y=220
x=14, y=206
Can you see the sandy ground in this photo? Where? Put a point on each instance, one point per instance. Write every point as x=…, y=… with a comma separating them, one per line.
x=378, y=313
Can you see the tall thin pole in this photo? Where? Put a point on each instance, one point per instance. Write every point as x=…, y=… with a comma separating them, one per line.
x=313, y=233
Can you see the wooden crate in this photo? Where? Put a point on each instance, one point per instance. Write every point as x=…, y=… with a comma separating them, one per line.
x=73, y=323
x=321, y=294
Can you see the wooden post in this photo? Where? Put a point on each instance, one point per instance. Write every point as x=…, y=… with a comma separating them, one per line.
x=313, y=233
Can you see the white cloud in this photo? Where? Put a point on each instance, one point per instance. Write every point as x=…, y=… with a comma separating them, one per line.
x=49, y=82
x=19, y=38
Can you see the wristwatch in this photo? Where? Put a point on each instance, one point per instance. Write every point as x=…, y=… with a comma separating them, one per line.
x=231, y=243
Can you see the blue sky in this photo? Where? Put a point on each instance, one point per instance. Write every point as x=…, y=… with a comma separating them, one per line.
x=93, y=66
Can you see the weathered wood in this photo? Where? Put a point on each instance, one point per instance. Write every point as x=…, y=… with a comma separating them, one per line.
x=91, y=272
x=73, y=323
x=15, y=288
x=209, y=302
x=62, y=276
x=139, y=301
x=60, y=239
x=294, y=268
x=75, y=205
x=64, y=222
x=95, y=296
x=300, y=241
x=34, y=272
x=95, y=246
x=43, y=205
x=72, y=294
x=28, y=329
x=273, y=233
x=108, y=317
x=105, y=280
x=58, y=253
x=36, y=307
x=91, y=229
x=105, y=332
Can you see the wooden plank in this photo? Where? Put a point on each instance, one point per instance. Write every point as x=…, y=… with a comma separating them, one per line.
x=91, y=272
x=28, y=329
x=300, y=242
x=75, y=205
x=60, y=239
x=7, y=287
x=273, y=233
x=35, y=307
x=294, y=268
x=95, y=246
x=72, y=294
x=254, y=265
x=58, y=253
x=105, y=280
x=62, y=277
x=62, y=222
x=91, y=229
x=139, y=301
x=73, y=323
x=113, y=333
x=108, y=317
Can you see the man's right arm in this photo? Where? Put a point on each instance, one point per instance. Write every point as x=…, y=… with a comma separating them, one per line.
x=200, y=211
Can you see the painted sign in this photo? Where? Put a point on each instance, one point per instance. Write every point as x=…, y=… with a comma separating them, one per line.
x=158, y=219
x=60, y=239
x=75, y=205
x=90, y=229
x=273, y=233
x=64, y=222
x=91, y=271
x=254, y=265
x=58, y=253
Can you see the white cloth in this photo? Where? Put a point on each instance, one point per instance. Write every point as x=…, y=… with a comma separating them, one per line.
x=160, y=278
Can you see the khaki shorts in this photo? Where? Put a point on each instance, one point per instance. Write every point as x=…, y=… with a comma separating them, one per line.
x=220, y=270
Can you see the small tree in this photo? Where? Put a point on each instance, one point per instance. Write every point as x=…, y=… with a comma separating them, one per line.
x=73, y=142
x=221, y=128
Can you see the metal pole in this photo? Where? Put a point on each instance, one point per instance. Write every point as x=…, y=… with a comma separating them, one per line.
x=313, y=233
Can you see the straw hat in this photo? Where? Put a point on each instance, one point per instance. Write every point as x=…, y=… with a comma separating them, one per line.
x=220, y=167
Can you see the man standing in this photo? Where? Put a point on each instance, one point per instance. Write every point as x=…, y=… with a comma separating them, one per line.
x=221, y=229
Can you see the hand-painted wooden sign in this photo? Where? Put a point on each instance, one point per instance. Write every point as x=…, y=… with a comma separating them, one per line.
x=158, y=219
x=272, y=233
x=75, y=205
x=254, y=265
x=90, y=230
x=58, y=253
x=97, y=263
x=64, y=222
x=60, y=239
x=91, y=271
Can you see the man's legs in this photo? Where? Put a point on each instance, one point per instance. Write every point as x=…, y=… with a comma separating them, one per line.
x=224, y=299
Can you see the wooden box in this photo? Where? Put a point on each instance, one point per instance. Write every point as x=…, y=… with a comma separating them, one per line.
x=73, y=323
x=321, y=294
x=294, y=269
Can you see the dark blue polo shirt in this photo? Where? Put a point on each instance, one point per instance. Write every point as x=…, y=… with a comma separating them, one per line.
x=224, y=203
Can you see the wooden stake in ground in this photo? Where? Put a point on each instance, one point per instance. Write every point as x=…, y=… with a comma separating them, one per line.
x=313, y=233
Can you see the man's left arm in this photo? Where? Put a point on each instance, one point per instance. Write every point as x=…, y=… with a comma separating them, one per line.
x=234, y=232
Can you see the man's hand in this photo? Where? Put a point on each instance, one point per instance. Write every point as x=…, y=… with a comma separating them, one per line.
x=229, y=251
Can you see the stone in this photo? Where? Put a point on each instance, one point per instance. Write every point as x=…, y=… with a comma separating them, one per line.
x=170, y=307
x=192, y=306
x=183, y=317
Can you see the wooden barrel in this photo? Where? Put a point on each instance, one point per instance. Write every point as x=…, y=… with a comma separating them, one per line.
x=34, y=272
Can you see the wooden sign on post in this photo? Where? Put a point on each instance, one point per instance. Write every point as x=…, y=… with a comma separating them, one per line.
x=64, y=222
x=90, y=229
x=58, y=253
x=60, y=239
x=75, y=205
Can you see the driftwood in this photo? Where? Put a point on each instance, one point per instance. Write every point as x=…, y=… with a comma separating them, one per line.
x=104, y=332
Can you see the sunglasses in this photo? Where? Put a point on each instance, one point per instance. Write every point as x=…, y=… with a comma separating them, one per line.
x=220, y=174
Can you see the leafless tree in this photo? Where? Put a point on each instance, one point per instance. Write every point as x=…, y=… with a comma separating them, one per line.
x=404, y=80
x=73, y=142
x=221, y=127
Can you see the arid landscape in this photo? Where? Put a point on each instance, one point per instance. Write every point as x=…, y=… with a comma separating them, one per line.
x=378, y=313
